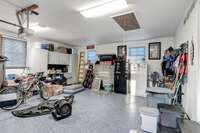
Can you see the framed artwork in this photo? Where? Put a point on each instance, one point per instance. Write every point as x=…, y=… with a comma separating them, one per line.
x=155, y=51
x=122, y=51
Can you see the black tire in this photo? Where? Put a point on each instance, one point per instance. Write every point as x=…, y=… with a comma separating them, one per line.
x=19, y=100
x=44, y=94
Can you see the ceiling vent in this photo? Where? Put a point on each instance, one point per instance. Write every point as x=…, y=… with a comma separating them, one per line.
x=127, y=21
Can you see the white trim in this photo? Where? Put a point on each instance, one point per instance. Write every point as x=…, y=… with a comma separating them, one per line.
x=124, y=13
x=198, y=34
x=15, y=38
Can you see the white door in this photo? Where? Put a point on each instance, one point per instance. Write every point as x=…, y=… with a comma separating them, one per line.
x=138, y=80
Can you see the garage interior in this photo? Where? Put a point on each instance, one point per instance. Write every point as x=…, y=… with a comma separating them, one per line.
x=99, y=66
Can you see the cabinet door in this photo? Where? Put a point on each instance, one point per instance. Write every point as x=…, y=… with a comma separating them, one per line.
x=38, y=60
x=74, y=67
x=62, y=59
x=59, y=58
x=56, y=58
x=52, y=58
x=66, y=59
x=69, y=59
x=50, y=61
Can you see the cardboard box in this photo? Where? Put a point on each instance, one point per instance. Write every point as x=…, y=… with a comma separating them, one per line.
x=54, y=90
x=8, y=83
x=62, y=50
x=50, y=90
x=58, y=89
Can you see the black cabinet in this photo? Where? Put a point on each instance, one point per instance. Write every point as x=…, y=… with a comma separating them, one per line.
x=121, y=76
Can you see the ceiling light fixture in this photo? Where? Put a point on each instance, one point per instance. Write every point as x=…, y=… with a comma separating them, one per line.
x=106, y=8
x=36, y=27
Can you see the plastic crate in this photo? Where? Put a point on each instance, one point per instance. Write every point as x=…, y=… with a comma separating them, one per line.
x=169, y=114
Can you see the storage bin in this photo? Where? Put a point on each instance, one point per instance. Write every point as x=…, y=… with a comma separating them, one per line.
x=149, y=118
x=169, y=114
x=49, y=47
x=108, y=87
x=10, y=77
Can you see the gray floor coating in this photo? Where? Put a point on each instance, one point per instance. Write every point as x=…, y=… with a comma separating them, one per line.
x=92, y=113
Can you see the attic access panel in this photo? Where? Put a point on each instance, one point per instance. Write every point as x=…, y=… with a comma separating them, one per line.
x=127, y=21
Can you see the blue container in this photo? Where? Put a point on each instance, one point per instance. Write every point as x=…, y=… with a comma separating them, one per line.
x=10, y=77
x=49, y=47
x=45, y=46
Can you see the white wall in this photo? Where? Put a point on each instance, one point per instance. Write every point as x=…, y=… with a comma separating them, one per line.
x=198, y=68
x=187, y=32
x=154, y=65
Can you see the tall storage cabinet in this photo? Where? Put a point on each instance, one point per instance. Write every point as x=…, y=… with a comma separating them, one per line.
x=73, y=68
x=38, y=60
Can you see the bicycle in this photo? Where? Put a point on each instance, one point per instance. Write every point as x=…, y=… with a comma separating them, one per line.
x=24, y=90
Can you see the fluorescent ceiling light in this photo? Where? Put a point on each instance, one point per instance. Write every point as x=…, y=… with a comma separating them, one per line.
x=106, y=8
x=36, y=27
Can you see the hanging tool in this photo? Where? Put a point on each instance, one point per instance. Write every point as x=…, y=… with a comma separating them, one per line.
x=181, y=71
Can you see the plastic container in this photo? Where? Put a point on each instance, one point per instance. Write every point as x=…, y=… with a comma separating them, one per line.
x=150, y=117
x=108, y=87
x=169, y=114
x=49, y=47
x=10, y=77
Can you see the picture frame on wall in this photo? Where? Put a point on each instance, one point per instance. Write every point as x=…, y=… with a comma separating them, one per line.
x=122, y=51
x=155, y=51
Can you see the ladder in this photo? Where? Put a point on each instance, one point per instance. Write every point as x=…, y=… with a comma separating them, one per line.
x=81, y=66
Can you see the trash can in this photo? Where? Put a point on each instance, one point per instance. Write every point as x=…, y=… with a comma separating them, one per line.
x=169, y=114
x=149, y=117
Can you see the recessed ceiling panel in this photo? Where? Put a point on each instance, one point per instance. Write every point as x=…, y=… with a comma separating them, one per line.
x=127, y=21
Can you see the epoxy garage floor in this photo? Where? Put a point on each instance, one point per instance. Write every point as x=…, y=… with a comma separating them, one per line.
x=92, y=113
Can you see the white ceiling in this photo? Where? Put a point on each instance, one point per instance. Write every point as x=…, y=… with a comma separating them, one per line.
x=156, y=17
